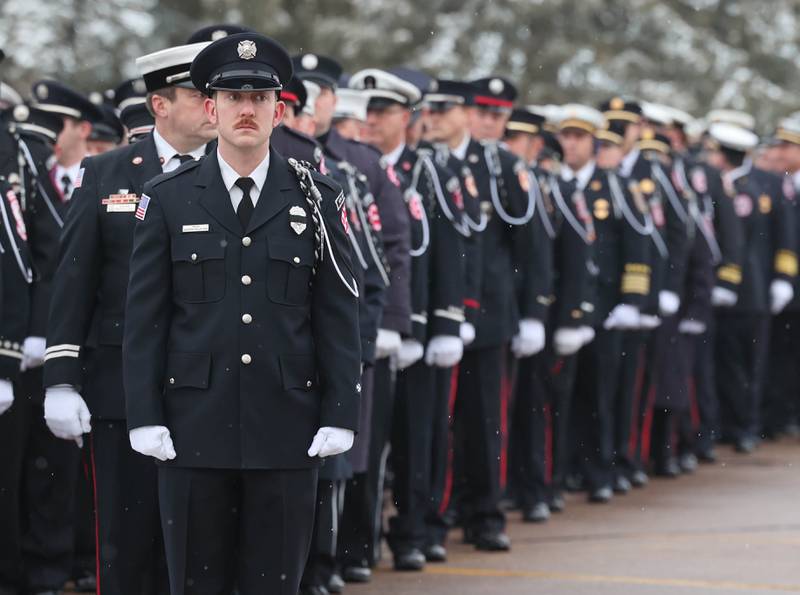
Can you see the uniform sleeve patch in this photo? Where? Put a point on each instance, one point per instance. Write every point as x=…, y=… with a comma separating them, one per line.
x=141, y=211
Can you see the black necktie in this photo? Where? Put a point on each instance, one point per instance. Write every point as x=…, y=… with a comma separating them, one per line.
x=182, y=158
x=66, y=185
x=245, y=209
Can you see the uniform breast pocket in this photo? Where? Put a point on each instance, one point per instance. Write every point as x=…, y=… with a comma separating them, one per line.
x=289, y=272
x=198, y=268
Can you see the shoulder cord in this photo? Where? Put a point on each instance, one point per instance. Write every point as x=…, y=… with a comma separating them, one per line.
x=658, y=174
x=27, y=273
x=622, y=204
x=411, y=192
x=433, y=175
x=697, y=214
x=371, y=243
x=35, y=172
x=566, y=211
x=495, y=170
x=545, y=218
x=313, y=197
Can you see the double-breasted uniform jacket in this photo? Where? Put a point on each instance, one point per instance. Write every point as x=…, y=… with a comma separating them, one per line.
x=620, y=251
x=770, y=250
x=15, y=277
x=567, y=221
x=87, y=313
x=437, y=274
x=395, y=226
x=241, y=341
x=669, y=213
x=496, y=175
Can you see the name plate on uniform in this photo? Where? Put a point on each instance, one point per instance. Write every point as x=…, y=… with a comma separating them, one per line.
x=121, y=203
x=195, y=228
x=121, y=208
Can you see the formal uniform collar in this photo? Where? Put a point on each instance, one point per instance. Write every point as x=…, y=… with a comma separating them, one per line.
x=741, y=171
x=229, y=175
x=460, y=152
x=581, y=177
x=626, y=167
x=796, y=179
x=166, y=151
x=392, y=157
x=71, y=172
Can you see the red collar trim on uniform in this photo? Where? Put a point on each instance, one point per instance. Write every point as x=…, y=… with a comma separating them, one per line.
x=493, y=101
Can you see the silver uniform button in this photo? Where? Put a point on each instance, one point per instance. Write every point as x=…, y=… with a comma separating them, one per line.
x=246, y=280
x=247, y=319
x=246, y=359
x=246, y=241
x=309, y=384
x=296, y=260
x=194, y=257
x=172, y=381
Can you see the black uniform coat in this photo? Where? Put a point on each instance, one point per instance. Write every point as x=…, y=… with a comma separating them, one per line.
x=232, y=343
x=87, y=313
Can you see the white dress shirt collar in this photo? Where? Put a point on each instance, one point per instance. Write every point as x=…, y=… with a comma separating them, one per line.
x=581, y=177
x=460, y=151
x=392, y=157
x=626, y=167
x=229, y=177
x=167, y=154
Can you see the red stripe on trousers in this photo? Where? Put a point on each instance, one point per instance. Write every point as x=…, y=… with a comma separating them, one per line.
x=448, y=477
x=548, y=444
x=505, y=390
x=96, y=519
x=694, y=408
x=638, y=387
x=648, y=424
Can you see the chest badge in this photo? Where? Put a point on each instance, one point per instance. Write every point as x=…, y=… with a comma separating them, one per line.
x=297, y=219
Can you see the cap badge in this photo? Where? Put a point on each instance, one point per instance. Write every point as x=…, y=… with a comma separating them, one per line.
x=218, y=34
x=139, y=86
x=496, y=86
x=247, y=49
x=21, y=113
x=41, y=91
x=617, y=103
x=309, y=62
x=648, y=134
x=96, y=98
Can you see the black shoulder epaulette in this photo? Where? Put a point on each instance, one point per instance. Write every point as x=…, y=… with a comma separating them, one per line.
x=326, y=181
x=183, y=168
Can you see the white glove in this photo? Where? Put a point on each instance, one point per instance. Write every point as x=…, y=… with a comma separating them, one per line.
x=387, y=343
x=411, y=351
x=649, y=321
x=568, y=341
x=587, y=334
x=623, y=316
x=692, y=327
x=153, y=441
x=33, y=353
x=6, y=395
x=530, y=340
x=467, y=332
x=781, y=293
x=668, y=302
x=66, y=413
x=723, y=297
x=331, y=441
x=444, y=351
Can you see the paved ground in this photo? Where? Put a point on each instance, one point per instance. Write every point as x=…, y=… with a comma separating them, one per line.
x=731, y=528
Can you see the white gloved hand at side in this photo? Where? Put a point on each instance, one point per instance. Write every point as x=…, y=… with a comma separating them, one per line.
x=781, y=293
x=6, y=395
x=587, y=334
x=530, y=339
x=33, y=353
x=722, y=297
x=649, y=321
x=153, y=441
x=444, y=351
x=467, y=332
x=387, y=343
x=668, y=302
x=66, y=413
x=691, y=326
x=623, y=316
x=410, y=353
x=567, y=341
x=331, y=441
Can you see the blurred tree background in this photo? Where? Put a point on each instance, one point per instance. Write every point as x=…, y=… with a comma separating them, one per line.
x=693, y=54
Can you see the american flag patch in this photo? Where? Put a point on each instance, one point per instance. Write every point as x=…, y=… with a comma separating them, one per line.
x=79, y=178
x=141, y=210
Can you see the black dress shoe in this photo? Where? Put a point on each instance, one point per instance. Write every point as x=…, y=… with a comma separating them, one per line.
x=707, y=456
x=601, y=495
x=639, y=479
x=668, y=469
x=336, y=583
x=538, y=513
x=745, y=445
x=314, y=590
x=410, y=559
x=557, y=503
x=492, y=541
x=574, y=483
x=86, y=584
x=688, y=463
x=436, y=552
x=622, y=485
x=357, y=574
